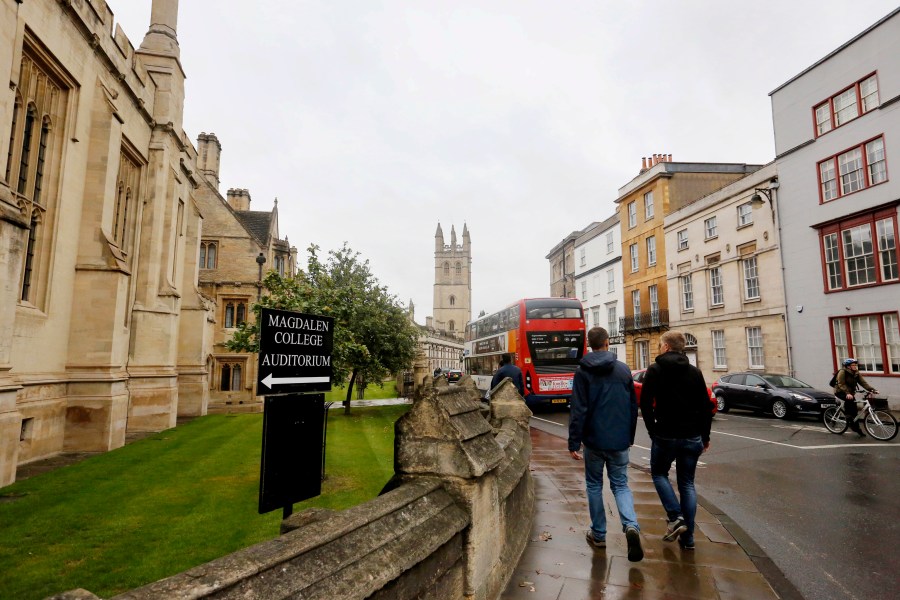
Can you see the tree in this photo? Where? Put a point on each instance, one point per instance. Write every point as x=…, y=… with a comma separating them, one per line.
x=373, y=336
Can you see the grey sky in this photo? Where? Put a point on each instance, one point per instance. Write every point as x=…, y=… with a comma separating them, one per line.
x=372, y=121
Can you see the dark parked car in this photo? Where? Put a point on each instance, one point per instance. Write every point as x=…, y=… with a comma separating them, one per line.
x=781, y=395
x=638, y=377
x=454, y=375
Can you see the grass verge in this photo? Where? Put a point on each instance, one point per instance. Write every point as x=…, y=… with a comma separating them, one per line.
x=169, y=502
x=373, y=392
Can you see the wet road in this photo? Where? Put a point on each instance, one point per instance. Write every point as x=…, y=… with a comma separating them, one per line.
x=823, y=507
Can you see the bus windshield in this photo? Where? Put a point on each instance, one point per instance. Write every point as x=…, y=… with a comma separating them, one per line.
x=554, y=348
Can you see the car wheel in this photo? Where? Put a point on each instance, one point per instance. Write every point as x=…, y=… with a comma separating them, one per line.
x=780, y=409
x=721, y=404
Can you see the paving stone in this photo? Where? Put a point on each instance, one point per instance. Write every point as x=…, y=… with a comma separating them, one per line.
x=563, y=566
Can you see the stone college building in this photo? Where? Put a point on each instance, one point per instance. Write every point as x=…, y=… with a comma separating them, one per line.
x=106, y=324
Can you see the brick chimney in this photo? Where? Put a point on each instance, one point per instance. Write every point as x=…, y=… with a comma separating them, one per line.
x=653, y=160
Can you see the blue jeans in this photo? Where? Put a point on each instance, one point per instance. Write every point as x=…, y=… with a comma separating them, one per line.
x=685, y=453
x=617, y=468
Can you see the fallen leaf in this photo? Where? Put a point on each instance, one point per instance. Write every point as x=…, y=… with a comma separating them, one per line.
x=538, y=571
x=545, y=535
x=531, y=589
x=525, y=584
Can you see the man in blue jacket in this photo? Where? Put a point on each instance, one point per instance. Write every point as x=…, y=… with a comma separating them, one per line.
x=603, y=418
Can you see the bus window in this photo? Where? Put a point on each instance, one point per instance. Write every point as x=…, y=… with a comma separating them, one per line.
x=504, y=321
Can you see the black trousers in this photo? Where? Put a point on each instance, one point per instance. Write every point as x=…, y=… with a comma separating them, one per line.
x=851, y=412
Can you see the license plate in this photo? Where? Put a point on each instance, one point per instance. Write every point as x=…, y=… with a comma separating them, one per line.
x=558, y=401
x=554, y=385
x=827, y=405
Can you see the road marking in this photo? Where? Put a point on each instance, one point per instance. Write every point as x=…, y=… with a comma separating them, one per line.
x=764, y=441
x=548, y=421
x=807, y=447
x=804, y=428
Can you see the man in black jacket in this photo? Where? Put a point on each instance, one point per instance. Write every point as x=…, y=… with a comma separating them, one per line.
x=676, y=410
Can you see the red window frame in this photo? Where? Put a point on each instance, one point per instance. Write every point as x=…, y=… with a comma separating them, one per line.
x=882, y=340
x=839, y=226
x=865, y=169
x=830, y=102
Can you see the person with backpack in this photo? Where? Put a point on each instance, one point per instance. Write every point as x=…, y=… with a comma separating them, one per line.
x=845, y=385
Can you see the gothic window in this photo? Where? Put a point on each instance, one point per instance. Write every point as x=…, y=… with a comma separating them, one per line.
x=458, y=269
x=232, y=379
x=209, y=251
x=177, y=238
x=17, y=104
x=235, y=312
x=452, y=325
x=452, y=300
x=128, y=179
x=446, y=269
x=33, y=160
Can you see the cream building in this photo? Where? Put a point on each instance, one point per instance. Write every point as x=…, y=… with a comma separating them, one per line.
x=660, y=188
x=238, y=247
x=103, y=330
x=724, y=278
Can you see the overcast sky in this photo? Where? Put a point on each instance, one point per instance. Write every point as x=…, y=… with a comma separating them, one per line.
x=372, y=121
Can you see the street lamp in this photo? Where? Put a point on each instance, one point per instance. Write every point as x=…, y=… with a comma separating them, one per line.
x=260, y=260
x=756, y=201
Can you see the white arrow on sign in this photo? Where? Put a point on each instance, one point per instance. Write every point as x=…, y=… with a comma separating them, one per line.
x=270, y=381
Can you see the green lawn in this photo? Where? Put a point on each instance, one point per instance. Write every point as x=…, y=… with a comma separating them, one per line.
x=373, y=392
x=170, y=502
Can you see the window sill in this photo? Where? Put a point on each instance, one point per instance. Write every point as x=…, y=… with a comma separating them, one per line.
x=682, y=249
x=752, y=300
x=841, y=195
x=862, y=287
x=745, y=226
x=711, y=238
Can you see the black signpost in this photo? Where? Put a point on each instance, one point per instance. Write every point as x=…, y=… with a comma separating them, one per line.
x=294, y=359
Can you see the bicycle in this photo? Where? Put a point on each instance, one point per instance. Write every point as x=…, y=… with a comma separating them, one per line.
x=880, y=423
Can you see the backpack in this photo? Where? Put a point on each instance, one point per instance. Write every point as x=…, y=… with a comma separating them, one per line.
x=833, y=381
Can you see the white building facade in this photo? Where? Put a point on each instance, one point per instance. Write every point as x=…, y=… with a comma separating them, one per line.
x=837, y=130
x=724, y=279
x=598, y=279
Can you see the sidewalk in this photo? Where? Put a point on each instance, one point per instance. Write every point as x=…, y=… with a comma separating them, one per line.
x=559, y=564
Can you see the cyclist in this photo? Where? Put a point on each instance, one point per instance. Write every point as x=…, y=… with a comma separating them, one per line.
x=848, y=378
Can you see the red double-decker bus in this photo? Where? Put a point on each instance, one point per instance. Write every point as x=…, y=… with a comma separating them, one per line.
x=546, y=338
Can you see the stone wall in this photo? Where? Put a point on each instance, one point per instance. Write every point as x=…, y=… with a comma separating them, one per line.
x=452, y=523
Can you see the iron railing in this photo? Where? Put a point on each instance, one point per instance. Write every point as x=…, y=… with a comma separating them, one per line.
x=648, y=321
